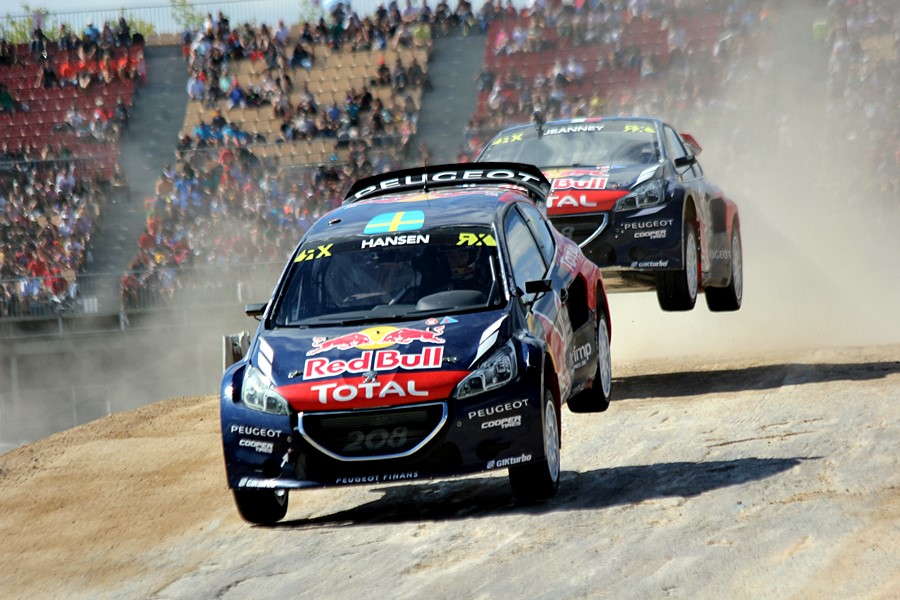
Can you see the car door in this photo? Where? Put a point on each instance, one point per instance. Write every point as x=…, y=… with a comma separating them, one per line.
x=530, y=254
x=691, y=178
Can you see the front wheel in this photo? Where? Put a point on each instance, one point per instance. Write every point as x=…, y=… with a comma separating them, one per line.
x=677, y=290
x=596, y=397
x=539, y=480
x=261, y=507
x=729, y=298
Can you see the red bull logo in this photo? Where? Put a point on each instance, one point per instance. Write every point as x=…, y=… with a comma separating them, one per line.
x=377, y=337
x=404, y=335
x=374, y=361
x=342, y=342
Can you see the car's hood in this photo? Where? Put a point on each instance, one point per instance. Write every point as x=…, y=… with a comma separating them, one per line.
x=376, y=365
x=579, y=190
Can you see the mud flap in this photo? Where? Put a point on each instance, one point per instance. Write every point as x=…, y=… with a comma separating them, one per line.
x=234, y=346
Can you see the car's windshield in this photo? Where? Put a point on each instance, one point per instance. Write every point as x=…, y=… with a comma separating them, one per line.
x=586, y=144
x=394, y=276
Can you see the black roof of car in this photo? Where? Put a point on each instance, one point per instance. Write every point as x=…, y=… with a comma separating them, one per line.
x=428, y=197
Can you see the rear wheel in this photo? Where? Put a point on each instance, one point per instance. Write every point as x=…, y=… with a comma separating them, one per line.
x=677, y=290
x=261, y=507
x=596, y=397
x=729, y=297
x=539, y=480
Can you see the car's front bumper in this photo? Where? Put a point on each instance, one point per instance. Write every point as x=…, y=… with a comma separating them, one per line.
x=446, y=438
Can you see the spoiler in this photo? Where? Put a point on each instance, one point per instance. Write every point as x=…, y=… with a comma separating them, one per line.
x=692, y=143
x=430, y=177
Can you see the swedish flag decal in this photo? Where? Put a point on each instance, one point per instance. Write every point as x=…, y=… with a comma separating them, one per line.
x=409, y=220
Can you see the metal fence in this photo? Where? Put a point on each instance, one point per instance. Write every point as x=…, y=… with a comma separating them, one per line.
x=167, y=20
x=38, y=298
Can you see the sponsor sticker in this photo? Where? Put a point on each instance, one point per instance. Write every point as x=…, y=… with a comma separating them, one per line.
x=498, y=409
x=506, y=462
x=314, y=253
x=655, y=234
x=504, y=423
x=381, y=478
x=409, y=220
x=258, y=445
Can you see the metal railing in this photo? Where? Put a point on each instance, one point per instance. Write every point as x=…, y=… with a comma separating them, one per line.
x=166, y=20
x=36, y=298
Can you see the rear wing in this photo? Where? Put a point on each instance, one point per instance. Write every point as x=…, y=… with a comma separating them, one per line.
x=527, y=177
x=692, y=144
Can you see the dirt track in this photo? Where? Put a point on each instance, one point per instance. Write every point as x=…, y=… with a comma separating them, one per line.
x=741, y=478
x=748, y=455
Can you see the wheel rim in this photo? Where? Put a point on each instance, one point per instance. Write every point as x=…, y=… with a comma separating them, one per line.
x=605, y=358
x=690, y=263
x=551, y=438
x=737, y=266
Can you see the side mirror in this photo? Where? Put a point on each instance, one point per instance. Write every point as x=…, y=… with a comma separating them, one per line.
x=255, y=310
x=538, y=286
x=685, y=161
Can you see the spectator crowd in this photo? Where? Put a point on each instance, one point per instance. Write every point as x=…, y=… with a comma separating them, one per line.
x=61, y=122
x=222, y=204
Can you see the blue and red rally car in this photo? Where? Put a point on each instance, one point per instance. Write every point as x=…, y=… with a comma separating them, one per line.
x=432, y=326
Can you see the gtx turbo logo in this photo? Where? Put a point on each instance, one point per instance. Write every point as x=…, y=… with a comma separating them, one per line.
x=506, y=462
x=370, y=362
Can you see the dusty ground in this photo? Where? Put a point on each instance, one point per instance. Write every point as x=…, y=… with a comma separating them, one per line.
x=737, y=478
x=747, y=455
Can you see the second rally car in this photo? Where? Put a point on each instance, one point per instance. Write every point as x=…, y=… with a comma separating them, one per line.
x=631, y=192
x=433, y=325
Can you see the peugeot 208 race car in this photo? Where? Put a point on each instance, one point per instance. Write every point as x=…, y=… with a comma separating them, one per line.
x=431, y=326
x=630, y=191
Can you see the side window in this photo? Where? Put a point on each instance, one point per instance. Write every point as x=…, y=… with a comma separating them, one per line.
x=678, y=150
x=524, y=254
x=540, y=229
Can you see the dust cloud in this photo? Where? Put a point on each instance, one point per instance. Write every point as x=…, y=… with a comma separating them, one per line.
x=820, y=251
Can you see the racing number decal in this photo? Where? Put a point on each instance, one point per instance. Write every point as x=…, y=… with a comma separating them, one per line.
x=476, y=239
x=314, y=253
x=376, y=439
x=516, y=137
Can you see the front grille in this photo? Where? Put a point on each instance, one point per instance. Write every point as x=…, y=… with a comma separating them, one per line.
x=580, y=229
x=373, y=434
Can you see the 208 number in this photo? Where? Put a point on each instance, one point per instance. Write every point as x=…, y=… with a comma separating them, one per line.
x=376, y=439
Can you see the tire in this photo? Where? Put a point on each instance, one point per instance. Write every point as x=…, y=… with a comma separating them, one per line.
x=596, y=398
x=539, y=480
x=261, y=507
x=729, y=298
x=677, y=290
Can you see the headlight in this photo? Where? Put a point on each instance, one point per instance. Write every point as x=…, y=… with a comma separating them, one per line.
x=649, y=193
x=257, y=393
x=494, y=372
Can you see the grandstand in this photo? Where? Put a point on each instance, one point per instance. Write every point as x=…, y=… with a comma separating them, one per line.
x=201, y=228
